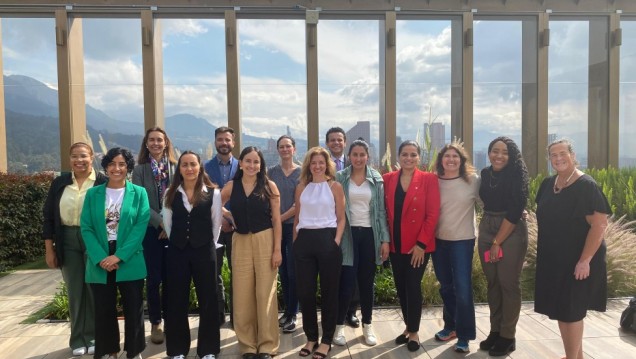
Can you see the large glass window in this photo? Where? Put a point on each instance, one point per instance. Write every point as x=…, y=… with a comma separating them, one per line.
x=423, y=81
x=30, y=91
x=497, y=74
x=568, y=84
x=348, y=80
x=627, y=124
x=113, y=81
x=194, y=77
x=273, y=84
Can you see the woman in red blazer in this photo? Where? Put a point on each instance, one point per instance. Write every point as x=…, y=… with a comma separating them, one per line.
x=412, y=208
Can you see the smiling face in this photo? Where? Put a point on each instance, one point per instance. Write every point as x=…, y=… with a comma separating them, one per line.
x=81, y=160
x=286, y=149
x=336, y=144
x=358, y=157
x=189, y=167
x=562, y=160
x=498, y=156
x=156, y=144
x=409, y=157
x=250, y=164
x=317, y=166
x=117, y=169
x=224, y=143
x=451, y=162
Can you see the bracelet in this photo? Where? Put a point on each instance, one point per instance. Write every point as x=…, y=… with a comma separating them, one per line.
x=494, y=243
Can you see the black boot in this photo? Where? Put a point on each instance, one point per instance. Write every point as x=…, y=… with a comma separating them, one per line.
x=502, y=347
x=489, y=342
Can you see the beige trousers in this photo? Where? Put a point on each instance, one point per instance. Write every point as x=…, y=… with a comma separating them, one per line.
x=254, y=292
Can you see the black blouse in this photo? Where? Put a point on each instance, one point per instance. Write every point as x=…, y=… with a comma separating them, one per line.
x=251, y=213
x=502, y=192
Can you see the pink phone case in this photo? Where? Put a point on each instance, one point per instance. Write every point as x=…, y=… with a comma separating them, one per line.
x=487, y=255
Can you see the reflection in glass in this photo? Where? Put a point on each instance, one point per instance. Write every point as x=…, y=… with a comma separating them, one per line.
x=273, y=84
x=423, y=81
x=348, y=80
x=568, y=84
x=497, y=84
x=30, y=94
x=627, y=111
x=195, y=91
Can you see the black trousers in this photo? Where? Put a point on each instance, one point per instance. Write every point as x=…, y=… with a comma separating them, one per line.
x=317, y=254
x=225, y=238
x=106, y=323
x=198, y=265
x=408, y=283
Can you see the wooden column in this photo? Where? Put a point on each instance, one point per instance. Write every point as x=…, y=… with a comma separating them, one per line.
x=4, y=164
x=467, y=82
x=388, y=86
x=311, y=53
x=152, y=61
x=233, y=78
x=70, y=79
x=598, y=94
x=530, y=45
x=615, y=42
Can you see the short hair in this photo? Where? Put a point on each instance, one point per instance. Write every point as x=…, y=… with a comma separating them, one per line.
x=81, y=144
x=293, y=142
x=223, y=129
x=116, y=151
x=568, y=143
x=335, y=130
x=361, y=143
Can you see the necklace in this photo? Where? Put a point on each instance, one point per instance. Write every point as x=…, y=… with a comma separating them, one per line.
x=557, y=189
x=492, y=177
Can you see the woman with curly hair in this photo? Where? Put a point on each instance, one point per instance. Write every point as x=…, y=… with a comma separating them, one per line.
x=503, y=240
x=455, y=243
x=113, y=223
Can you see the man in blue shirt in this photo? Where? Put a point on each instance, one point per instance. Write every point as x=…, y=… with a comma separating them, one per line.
x=221, y=169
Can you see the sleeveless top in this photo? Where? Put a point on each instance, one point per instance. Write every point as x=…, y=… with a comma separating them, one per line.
x=317, y=207
x=251, y=213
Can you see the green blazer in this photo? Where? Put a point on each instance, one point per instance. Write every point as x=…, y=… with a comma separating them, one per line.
x=135, y=213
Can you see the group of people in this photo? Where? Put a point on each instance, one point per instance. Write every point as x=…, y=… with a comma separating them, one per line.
x=332, y=219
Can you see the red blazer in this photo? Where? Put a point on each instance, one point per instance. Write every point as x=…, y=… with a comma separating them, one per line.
x=420, y=211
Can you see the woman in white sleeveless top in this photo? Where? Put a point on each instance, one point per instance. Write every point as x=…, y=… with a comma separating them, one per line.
x=318, y=230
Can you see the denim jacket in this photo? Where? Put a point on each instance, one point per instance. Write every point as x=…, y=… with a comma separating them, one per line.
x=378, y=214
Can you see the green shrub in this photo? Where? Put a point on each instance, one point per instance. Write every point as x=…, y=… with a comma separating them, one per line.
x=59, y=305
x=21, y=201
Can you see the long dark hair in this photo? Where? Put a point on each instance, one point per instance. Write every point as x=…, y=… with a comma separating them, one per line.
x=516, y=167
x=261, y=189
x=465, y=167
x=202, y=179
x=168, y=152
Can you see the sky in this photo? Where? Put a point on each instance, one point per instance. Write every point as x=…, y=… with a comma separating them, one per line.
x=273, y=74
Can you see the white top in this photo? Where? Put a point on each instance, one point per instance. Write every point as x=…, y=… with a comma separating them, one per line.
x=317, y=207
x=217, y=215
x=457, y=208
x=114, y=199
x=359, y=204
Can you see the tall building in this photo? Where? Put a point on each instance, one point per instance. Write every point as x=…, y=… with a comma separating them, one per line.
x=437, y=133
x=361, y=129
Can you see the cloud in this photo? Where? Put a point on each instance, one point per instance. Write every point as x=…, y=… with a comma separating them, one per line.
x=185, y=27
x=112, y=39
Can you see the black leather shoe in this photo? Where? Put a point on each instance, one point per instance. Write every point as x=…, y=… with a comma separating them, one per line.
x=249, y=356
x=352, y=320
x=263, y=356
x=413, y=346
x=489, y=342
x=502, y=347
x=402, y=339
x=290, y=325
x=283, y=319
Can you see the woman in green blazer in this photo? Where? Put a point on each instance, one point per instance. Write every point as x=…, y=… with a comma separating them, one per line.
x=114, y=220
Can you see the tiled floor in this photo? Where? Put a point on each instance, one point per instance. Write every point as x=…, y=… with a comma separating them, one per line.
x=24, y=292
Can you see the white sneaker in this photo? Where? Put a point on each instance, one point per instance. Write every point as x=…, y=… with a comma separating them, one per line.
x=79, y=351
x=178, y=357
x=369, y=335
x=339, y=337
x=209, y=356
x=91, y=350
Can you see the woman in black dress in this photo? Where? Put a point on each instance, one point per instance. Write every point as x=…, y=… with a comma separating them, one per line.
x=571, y=273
